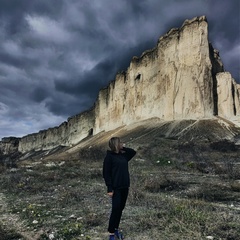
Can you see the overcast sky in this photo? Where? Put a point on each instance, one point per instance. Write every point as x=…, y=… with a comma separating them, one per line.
x=55, y=55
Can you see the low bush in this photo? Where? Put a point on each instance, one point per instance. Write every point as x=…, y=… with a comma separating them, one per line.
x=155, y=185
x=223, y=146
x=9, y=234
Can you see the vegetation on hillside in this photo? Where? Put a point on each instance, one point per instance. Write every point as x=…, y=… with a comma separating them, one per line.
x=178, y=191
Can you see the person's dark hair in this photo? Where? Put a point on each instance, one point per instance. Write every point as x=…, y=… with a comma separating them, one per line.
x=114, y=143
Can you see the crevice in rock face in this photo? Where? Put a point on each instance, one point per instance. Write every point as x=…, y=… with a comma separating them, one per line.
x=217, y=67
x=215, y=95
x=138, y=77
x=233, y=96
x=90, y=132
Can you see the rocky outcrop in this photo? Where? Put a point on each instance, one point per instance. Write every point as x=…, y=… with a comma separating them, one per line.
x=9, y=145
x=172, y=81
x=181, y=78
x=68, y=133
x=228, y=97
x=175, y=80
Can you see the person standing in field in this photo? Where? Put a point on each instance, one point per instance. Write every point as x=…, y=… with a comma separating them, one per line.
x=117, y=179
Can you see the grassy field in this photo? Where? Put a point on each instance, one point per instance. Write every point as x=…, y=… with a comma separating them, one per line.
x=178, y=191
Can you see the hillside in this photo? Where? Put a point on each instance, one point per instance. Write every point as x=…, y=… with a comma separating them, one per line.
x=183, y=131
x=183, y=186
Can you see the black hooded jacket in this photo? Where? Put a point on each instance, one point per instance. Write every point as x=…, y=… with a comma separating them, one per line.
x=115, y=169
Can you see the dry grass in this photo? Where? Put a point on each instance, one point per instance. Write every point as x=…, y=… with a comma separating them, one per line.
x=177, y=195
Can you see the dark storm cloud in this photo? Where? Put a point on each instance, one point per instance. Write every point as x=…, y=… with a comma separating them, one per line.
x=90, y=82
x=56, y=55
x=224, y=33
x=39, y=94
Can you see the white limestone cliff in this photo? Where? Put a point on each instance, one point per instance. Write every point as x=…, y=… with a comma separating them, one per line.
x=172, y=81
x=9, y=145
x=181, y=78
x=67, y=134
x=228, y=96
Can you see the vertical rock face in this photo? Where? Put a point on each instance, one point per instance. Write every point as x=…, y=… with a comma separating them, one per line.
x=68, y=133
x=181, y=78
x=172, y=81
x=9, y=145
x=228, y=96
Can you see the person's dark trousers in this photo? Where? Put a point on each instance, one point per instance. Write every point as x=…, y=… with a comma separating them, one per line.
x=119, y=199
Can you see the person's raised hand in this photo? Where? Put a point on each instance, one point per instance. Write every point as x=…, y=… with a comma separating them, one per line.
x=110, y=194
